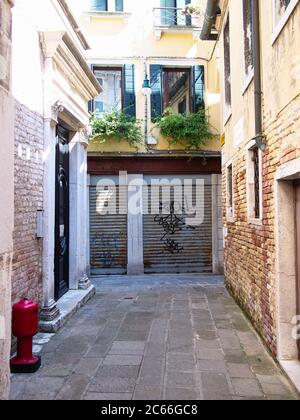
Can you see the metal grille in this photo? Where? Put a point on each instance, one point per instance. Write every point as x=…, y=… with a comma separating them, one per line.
x=256, y=183
x=108, y=236
x=172, y=246
x=173, y=16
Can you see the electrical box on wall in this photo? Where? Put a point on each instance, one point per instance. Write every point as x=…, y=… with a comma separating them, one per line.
x=39, y=224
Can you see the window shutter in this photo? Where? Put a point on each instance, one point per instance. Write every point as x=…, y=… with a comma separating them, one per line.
x=129, y=103
x=100, y=5
x=156, y=82
x=198, y=88
x=119, y=5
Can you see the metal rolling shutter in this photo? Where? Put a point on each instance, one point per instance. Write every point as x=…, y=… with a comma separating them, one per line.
x=108, y=236
x=196, y=255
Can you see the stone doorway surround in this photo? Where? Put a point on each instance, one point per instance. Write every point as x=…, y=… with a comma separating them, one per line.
x=287, y=350
x=64, y=60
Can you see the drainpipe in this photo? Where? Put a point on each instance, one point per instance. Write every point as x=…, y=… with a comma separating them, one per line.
x=212, y=9
x=259, y=137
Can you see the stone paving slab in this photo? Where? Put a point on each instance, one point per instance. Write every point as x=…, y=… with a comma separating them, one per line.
x=155, y=338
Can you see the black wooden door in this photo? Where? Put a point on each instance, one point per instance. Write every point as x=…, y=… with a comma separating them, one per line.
x=297, y=214
x=61, y=268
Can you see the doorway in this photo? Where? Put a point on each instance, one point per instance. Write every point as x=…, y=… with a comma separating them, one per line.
x=62, y=205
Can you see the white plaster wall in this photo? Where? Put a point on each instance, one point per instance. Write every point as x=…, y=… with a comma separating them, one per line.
x=47, y=71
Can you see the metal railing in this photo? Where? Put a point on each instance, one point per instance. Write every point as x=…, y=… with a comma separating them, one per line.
x=173, y=17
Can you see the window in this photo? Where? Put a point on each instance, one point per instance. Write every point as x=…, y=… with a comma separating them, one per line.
x=99, y=5
x=177, y=89
x=118, y=90
x=254, y=184
x=230, y=191
x=280, y=9
x=111, y=97
x=107, y=5
x=247, y=35
x=171, y=13
x=181, y=89
x=227, y=69
x=119, y=5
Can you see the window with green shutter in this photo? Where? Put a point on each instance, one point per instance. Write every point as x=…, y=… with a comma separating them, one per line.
x=99, y=5
x=179, y=89
x=119, y=5
x=168, y=13
x=118, y=90
x=171, y=13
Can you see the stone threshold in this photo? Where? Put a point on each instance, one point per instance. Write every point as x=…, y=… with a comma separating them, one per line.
x=68, y=305
x=292, y=370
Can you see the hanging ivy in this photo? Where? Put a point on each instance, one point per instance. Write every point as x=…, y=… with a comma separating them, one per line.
x=191, y=130
x=115, y=125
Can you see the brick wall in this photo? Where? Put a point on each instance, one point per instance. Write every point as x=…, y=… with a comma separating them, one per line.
x=27, y=259
x=250, y=250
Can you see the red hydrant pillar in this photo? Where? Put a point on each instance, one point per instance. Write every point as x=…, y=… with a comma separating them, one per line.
x=25, y=319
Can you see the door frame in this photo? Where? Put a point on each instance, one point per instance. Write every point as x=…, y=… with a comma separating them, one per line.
x=65, y=134
x=286, y=275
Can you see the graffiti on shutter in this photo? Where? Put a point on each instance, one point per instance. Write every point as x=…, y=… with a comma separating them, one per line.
x=108, y=234
x=171, y=245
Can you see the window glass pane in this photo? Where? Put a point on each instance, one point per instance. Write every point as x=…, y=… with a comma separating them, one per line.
x=111, y=97
x=247, y=30
x=177, y=90
x=227, y=64
x=168, y=13
x=100, y=5
x=119, y=5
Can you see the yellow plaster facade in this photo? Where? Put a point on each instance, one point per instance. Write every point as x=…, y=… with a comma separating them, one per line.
x=133, y=37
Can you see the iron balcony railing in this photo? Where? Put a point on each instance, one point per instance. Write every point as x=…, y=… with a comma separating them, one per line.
x=173, y=17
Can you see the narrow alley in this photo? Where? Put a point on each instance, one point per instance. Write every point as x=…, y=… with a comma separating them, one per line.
x=149, y=200
x=156, y=338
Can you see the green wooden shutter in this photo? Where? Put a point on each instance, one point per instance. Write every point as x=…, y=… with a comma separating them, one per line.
x=198, y=88
x=119, y=5
x=100, y=5
x=156, y=82
x=129, y=102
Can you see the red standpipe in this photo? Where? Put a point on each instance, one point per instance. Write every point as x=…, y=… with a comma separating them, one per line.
x=25, y=320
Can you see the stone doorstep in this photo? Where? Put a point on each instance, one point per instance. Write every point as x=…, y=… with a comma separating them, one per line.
x=68, y=305
x=292, y=370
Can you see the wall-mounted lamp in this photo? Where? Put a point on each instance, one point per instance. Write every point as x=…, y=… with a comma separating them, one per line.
x=146, y=89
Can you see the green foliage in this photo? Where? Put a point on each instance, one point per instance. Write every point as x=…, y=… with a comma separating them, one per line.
x=115, y=125
x=191, y=130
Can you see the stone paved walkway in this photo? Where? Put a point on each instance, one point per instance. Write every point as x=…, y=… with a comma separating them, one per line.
x=160, y=338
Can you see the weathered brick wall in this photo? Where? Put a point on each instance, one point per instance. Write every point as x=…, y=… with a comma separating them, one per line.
x=27, y=259
x=250, y=250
